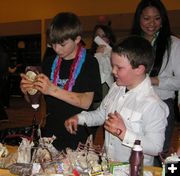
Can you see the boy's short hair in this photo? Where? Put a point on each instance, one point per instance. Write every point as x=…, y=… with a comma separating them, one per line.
x=138, y=51
x=64, y=26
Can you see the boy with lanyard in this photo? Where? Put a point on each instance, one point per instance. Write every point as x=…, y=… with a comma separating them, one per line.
x=70, y=80
x=131, y=110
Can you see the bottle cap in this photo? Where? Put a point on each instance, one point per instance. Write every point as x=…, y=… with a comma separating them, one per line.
x=137, y=142
x=137, y=146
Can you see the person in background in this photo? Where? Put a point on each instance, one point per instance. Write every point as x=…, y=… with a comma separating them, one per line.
x=131, y=110
x=102, y=54
x=4, y=64
x=67, y=81
x=151, y=22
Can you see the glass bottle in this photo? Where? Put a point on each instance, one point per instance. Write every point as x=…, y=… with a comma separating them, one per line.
x=34, y=97
x=136, y=160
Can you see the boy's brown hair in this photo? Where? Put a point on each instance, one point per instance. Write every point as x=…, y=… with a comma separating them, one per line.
x=138, y=51
x=65, y=25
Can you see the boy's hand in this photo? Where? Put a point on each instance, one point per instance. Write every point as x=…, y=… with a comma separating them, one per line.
x=100, y=49
x=115, y=125
x=25, y=84
x=71, y=124
x=154, y=81
x=43, y=84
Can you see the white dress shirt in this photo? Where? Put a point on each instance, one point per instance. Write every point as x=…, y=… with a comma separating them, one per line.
x=169, y=76
x=145, y=117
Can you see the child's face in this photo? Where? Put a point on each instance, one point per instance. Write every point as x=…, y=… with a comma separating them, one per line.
x=67, y=49
x=123, y=72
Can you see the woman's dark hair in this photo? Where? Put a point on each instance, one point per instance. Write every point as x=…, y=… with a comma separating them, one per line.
x=65, y=25
x=109, y=34
x=163, y=41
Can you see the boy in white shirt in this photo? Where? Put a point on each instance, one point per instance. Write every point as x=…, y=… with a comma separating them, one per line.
x=131, y=110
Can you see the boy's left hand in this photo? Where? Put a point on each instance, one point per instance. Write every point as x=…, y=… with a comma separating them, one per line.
x=154, y=81
x=115, y=125
x=100, y=49
x=43, y=84
x=71, y=124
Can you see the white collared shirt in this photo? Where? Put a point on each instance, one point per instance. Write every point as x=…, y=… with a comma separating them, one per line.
x=169, y=76
x=145, y=117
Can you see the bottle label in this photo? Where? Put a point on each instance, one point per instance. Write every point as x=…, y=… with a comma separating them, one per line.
x=31, y=76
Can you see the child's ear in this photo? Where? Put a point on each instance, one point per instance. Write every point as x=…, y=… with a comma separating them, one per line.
x=140, y=69
x=78, y=39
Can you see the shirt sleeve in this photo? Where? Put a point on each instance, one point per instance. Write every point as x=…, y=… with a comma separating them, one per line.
x=96, y=117
x=92, y=118
x=129, y=138
x=169, y=79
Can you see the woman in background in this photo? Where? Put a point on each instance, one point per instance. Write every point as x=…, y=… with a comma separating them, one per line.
x=102, y=54
x=151, y=22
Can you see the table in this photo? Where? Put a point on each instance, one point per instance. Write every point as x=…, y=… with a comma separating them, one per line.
x=157, y=171
x=5, y=172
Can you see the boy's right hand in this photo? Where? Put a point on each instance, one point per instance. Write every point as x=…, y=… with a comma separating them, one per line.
x=71, y=124
x=100, y=49
x=25, y=83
